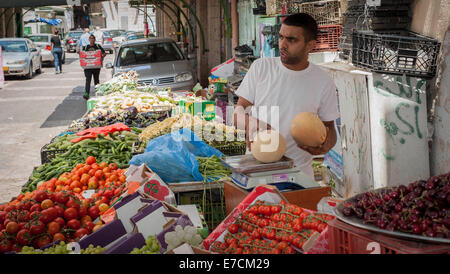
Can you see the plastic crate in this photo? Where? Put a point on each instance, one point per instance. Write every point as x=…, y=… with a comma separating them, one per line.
x=347, y=239
x=324, y=12
x=49, y=155
x=328, y=38
x=214, y=209
x=396, y=52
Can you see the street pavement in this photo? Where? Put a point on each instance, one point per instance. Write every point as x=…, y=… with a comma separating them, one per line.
x=34, y=111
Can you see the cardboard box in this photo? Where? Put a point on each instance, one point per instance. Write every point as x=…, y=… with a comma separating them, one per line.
x=181, y=219
x=106, y=235
x=150, y=183
x=91, y=59
x=128, y=207
x=269, y=194
x=126, y=244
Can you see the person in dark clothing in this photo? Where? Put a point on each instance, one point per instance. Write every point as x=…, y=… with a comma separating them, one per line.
x=57, y=52
x=92, y=72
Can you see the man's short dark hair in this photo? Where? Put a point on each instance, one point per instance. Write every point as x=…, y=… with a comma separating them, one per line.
x=91, y=36
x=304, y=20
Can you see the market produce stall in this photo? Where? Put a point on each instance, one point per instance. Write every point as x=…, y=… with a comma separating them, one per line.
x=133, y=176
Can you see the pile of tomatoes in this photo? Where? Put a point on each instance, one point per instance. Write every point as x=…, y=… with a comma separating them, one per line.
x=42, y=217
x=57, y=210
x=271, y=229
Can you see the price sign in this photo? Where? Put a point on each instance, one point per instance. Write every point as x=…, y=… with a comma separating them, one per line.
x=154, y=189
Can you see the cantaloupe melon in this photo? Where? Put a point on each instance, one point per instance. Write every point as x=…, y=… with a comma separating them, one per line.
x=308, y=130
x=268, y=146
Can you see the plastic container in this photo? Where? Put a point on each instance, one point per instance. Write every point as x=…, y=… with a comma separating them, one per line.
x=396, y=52
x=347, y=239
x=49, y=155
x=325, y=12
x=206, y=109
x=328, y=38
x=213, y=210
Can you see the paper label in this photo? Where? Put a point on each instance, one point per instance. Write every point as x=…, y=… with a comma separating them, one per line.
x=87, y=194
x=109, y=215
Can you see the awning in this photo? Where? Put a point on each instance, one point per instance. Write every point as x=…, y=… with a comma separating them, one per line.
x=41, y=3
x=52, y=22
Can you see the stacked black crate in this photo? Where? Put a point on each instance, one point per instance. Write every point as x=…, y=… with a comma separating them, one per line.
x=390, y=15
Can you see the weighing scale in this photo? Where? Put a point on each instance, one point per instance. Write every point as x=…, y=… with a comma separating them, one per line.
x=248, y=173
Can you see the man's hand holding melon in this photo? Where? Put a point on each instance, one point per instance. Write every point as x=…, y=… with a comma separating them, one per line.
x=313, y=135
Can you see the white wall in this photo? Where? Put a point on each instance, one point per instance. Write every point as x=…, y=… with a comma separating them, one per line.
x=126, y=17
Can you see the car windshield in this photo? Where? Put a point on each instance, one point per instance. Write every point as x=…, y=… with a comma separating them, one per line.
x=75, y=34
x=148, y=53
x=115, y=33
x=39, y=38
x=14, y=46
x=125, y=34
x=135, y=36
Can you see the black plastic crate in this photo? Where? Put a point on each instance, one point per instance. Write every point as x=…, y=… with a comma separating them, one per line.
x=396, y=52
x=49, y=155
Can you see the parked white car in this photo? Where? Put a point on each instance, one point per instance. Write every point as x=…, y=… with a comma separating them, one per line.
x=43, y=41
x=20, y=57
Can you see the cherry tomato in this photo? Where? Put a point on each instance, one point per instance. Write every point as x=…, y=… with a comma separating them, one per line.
x=233, y=228
x=74, y=224
x=53, y=228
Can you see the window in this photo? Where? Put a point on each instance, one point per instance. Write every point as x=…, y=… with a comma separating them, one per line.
x=14, y=46
x=39, y=38
x=149, y=53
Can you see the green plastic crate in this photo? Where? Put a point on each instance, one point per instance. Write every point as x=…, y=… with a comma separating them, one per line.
x=214, y=210
x=206, y=109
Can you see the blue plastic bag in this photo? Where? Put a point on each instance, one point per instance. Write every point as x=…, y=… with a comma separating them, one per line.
x=172, y=156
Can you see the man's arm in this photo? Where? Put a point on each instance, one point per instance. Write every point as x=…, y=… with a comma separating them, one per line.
x=243, y=121
x=329, y=143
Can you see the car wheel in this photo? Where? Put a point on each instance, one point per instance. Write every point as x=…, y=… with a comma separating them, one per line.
x=30, y=72
x=39, y=70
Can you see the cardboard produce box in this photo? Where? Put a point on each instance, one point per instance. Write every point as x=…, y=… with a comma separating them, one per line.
x=106, y=235
x=91, y=59
x=317, y=244
x=126, y=244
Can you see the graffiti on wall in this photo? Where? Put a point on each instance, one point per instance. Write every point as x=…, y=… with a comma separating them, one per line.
x=404, y=124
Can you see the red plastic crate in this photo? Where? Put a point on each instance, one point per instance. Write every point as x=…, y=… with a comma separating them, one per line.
x=328, y=38
x=348, y=239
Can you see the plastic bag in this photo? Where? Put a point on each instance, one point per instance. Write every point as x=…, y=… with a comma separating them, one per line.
x=172, y=156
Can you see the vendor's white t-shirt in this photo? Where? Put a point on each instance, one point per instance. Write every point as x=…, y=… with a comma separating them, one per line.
x=272, y=88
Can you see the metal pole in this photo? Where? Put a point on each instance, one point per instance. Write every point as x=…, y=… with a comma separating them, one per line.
x=145, y=20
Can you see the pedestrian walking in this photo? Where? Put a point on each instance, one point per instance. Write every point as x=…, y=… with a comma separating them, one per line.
x=57, y=52
x=84, y=38
x=92, y=46
x=99, y=36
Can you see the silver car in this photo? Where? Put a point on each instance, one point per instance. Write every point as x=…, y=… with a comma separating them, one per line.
x=158, y=61
x=20, y=57
x=43, y=41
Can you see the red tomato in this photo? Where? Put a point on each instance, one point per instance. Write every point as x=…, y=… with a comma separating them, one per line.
x=37, y=227
x=12, y=227
x=73, y=203
x=59, y=236
x=40, y=196
x=73, y=224
x=94, y=212
x=44, y=240
x=89, y=226
x=233, y=228
x=275, y=209
x=60, y=221
x=59, y=211
x=112, y=166
x=92, y=172
x=9, y=208
x=98, y=174
x=62, y=197
x=23, y=237
x=80, y=233
x=90, y=160
x=70, y=213
x=82, y=212
x=5, y=245
x=53, y=228
x=256, y=235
